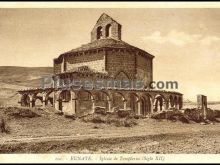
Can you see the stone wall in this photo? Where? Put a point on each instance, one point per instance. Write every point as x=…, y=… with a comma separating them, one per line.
x=117, y=61
x=94, y=61
x=57, y=68
x=132, y=64
x=144, y=69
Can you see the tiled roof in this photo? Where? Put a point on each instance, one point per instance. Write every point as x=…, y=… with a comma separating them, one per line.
x=112, y=43
x=105, y=43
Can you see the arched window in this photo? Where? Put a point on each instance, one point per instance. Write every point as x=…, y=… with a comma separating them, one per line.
x=99, y=32
x=122, y=75
x=108, y=30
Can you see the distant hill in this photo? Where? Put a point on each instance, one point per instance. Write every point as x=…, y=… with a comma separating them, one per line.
x=13, y=78
x=24, y=76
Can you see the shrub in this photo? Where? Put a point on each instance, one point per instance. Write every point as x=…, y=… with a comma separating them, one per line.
x=20, y=112
x=217, y=113
x=193, y=114
x=3, y=126
x=100, y=110
x=124, y=113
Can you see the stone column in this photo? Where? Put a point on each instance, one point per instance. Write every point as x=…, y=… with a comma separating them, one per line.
x=109, y=105
x=56, y=105
x=139, y=107
x=20, y=100
x=152, y=105
x=93, y=105
x=181, y=103
x=125, y=104
x=73, y=102
x=31, y=101
x=44, y=100
x=56, y=100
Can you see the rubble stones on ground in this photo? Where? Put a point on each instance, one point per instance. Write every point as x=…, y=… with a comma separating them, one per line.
x=58, y=112
x=100, y=110
x=70, y=116
x=171, y=115
x=186, y=116
x=203, y=123
x=125, y=119
x=196, y=115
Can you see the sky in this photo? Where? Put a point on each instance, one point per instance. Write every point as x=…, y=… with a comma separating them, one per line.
x=185, y=42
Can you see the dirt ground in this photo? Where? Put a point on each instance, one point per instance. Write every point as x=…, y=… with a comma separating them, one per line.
x=52, y=133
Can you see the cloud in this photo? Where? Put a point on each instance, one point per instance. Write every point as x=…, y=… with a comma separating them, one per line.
x=180, y=38
x=209, y=40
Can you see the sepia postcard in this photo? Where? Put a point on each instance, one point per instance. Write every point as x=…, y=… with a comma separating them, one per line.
x=109, y=82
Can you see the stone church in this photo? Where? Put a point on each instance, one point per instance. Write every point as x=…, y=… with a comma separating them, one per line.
x=108, y=54
x=106, y=57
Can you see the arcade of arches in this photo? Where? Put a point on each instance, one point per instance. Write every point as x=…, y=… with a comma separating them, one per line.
x=141, y=102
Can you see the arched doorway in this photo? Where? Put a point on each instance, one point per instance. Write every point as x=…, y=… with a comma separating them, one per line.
x=37, y=100
x=102, y=99
x=146, y=105
x=25, y=100
x=85, y=102
x=64, y=98
x=119, y=100
x=158, y=103
x=49, y=99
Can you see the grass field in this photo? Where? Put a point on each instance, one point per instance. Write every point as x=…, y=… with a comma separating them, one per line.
x=51, y=133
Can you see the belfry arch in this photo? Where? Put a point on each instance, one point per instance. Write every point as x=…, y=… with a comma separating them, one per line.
x=108, y=30
x=99, y=32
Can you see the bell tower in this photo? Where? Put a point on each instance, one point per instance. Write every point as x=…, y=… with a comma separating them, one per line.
x=106, y=27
